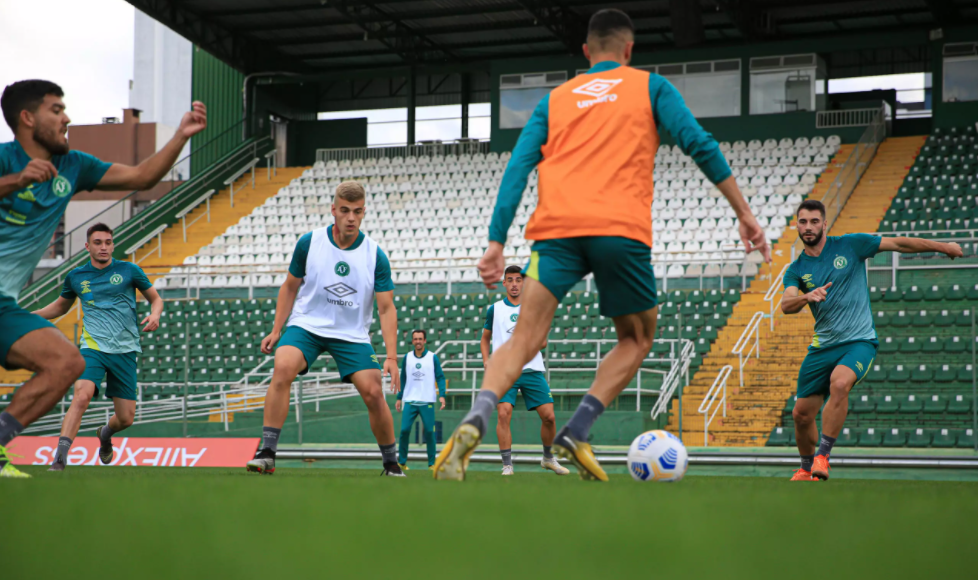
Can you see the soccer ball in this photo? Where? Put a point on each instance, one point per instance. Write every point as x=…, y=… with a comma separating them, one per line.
x=657, y=456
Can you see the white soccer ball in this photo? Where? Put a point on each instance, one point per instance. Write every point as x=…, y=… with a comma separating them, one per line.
x=657, y=456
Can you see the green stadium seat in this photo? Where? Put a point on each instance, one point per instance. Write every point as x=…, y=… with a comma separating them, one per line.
x=887, y=404
x=889, y=346
x=714, y=296
x=945, y=374
x=959, y=404
x=901, y=320
x=955, y=345
x=956, y=292
x=932, y=345
x=702, y=346
x=864, y=404
x=898, y=374
x=911, y=404
x=921, y=319
x=934, y=293
x=894, y=438
x=876, y=374
x=587, y=298
x=779, y=437
x=944, y=319
x=914, y=294
x=963, y=319
x=972, y=293
x=965, y=373
x=945, y=438
x=966, y=439
x=875, y=294
x=919, y=438
x=870, y=437
x=881, y=319
x=910, y=345
x=922, y=374
x=892, y=295
x=846, y=438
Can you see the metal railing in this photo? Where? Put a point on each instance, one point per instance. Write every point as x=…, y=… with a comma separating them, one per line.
x=718, y=387
x=162, y=211
x=206, y=198
x=438, y=149
x=847, y=118
x=775, y=290
x=250, y=166
x=751, y=331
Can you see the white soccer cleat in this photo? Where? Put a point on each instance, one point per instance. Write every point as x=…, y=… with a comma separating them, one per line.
x=553, y=466
x=508, y=470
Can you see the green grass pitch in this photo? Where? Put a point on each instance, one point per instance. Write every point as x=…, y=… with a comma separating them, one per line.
x=346, y=523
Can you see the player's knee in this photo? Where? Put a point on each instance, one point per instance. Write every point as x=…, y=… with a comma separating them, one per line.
x=125, y=419
x=65, y=368
x=374, y=397
x=505, y=414
x=82, y=398
x=801, y=416
x=839, y=388
x=548, y=418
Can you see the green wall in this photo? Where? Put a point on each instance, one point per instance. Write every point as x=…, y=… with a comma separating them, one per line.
x=307, y=136
x=219, y=87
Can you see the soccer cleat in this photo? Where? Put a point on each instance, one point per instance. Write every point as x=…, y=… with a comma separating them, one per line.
x=403, y=466
x=7, y=468
x=392, y=470
x=581, y=454
x=553, y=466
x=57, y=466
x=802, y=475
x=263, y=463
x=431, y=467
x=454, y=457
x=105, y=451
x=508, y=470
x=820, y=469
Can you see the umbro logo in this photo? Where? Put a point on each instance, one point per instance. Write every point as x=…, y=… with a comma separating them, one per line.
x=340, y=290
x=418, y=375
x=600, y=89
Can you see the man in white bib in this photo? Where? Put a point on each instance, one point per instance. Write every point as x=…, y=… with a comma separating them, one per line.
x=500, y=321
x=327, y=300
x=421, y=381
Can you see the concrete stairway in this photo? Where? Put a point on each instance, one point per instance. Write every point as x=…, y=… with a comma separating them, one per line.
x=754, y=409
x=175, y=250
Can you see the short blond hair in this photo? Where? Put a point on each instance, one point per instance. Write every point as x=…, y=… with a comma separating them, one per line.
x=350, y=191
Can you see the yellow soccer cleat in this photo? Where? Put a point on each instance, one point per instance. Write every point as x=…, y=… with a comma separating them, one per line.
x=7, y=468
x=581, y=454
x=404, y=466
x=454, y=457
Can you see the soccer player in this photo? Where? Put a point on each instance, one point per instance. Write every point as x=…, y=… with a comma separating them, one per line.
x=110, y=338
x=327, y=301
x=830, y=278
x=417, y=395
x=38, y=175
x=501, y=319
x=594, y=139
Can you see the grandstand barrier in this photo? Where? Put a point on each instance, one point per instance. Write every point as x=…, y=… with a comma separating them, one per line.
x=157, y=233
x=849, y=117
x=271, y=163
x=718, y=388
x=206, y=198
x=162, y=211
x=751, y=331
x=250, y=166
x=428, y=149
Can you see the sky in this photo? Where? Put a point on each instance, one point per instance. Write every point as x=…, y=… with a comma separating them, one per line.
x=86, y=46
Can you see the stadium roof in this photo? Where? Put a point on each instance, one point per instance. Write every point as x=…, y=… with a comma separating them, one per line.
x=310, y=36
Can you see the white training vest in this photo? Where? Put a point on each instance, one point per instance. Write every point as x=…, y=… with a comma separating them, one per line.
x=337, y=294
x=420, y=385
x=503, y=322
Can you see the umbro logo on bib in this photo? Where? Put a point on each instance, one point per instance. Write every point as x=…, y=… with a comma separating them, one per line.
x=418, y=375
x=340, y=290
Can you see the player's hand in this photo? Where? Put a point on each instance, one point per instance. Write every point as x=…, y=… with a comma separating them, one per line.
x=390, y=369
x=491, y=265
x=442, y=401
x=818, y=294
x=953, y=250
x=397, y=406
x=151, y=322
x=36, y=171
x=753, y=236
x=193, y=121
x=268, y=343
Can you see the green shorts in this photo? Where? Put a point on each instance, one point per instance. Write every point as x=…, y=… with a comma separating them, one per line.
x=534, y=387
x=350, y=357
x=118, y=370
x=622, y=270
x=414, y=410
x=15, y=322
x=815, y=374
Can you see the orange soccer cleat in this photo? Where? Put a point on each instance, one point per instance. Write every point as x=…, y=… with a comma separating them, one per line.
x=802, y=475
x=820, y=469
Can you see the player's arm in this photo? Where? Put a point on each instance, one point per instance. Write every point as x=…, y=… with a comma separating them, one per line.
x=671, y=113
x=36, y=171
x=484, y=345
x=148, y=173
x=152, y=321
x=400, y=392
x=439, y=381
x=526, y=155
x=916, y=245
x=388, y=328
x=283, y=309
x=793, y=301
x=56, y=309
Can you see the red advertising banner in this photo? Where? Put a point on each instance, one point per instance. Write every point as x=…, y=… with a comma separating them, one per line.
x=139, y=451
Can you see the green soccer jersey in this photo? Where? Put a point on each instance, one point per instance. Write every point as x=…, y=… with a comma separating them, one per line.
x=109, y=302
x=29, y=217
x=845, y=314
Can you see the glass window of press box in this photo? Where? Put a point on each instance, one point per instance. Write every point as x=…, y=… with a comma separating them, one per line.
x=520, y=93
x=784, y=84
x=960, y=72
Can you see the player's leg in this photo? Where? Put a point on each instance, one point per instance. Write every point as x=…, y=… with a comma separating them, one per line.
x=504, y=416
x=626, y=284
x=852, y=367
x=555, y=266
x=428, y=424
x=296, y=351
x=813, y=387
x=30, y=342
x=85, y=391
x=120, y=386
x=548, y=430
x=408, y=414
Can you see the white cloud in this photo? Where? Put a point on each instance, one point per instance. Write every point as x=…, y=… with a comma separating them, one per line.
x=84, y=46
